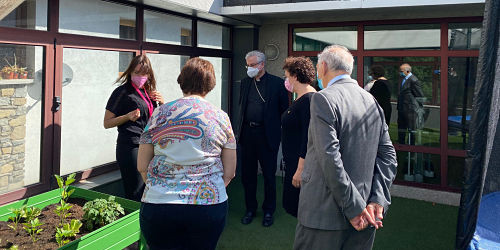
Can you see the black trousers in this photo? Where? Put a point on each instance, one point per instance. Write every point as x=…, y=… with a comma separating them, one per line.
x=126, y=156
x=182, y=226
x=254, y=148
x=290, y=193
x=406, y=126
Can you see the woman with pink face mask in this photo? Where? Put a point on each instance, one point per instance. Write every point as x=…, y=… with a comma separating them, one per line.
x=129, y=108
x=299, y=73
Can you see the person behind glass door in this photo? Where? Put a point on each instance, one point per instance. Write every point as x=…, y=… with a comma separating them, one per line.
x=409, y=104
x=263, y=98
x=129, y=108
x=380, y=90
x=187, y=157
x=299, y=73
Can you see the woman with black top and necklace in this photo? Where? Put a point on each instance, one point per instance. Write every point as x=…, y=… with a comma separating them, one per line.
x=380, y=90
x=129, y=108
x=299, y=73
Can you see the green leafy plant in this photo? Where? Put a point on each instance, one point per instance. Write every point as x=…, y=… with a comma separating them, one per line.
x=100, y=212
x=13, y=247
x=67, y=231
x=31, y=213
x=63, y=210
x=64, y=185
x=33, y=228
x=19, y=213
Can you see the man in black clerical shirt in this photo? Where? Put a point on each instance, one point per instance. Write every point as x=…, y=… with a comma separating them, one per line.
x=263, y=98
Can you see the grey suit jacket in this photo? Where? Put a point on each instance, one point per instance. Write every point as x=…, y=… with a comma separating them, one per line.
x=350, y=158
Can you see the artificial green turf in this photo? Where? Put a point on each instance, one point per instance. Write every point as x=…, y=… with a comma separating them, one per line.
x=410, y=224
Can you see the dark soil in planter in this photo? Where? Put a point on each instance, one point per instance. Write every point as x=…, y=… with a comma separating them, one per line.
x=50, y=220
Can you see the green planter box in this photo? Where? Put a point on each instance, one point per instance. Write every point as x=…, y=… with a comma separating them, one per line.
x=116, y=235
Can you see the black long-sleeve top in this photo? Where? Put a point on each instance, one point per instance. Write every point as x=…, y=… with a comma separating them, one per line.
x=294, y=126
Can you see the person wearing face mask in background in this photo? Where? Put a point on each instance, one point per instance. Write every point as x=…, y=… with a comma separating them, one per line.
x=370, y=83
x=263, y=98
x=129, y=108
x=300, y=73
x=410, y=104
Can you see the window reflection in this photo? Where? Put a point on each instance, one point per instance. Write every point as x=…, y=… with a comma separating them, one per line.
x=169, y=29
x=412, y=36
x=219, y=95
x=21, y=100
x=213, y=36
x=27, y=14
x=461, y=81
x=109, y=20
x=167, y=68
x=416, y=120
x=316, y=39
x=456, y=171
x=464, y=36
x=419, y=167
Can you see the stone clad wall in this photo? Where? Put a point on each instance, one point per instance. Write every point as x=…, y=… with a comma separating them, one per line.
x=12, y=136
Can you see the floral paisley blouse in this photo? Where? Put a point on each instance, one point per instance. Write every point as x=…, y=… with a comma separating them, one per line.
x=188, y=136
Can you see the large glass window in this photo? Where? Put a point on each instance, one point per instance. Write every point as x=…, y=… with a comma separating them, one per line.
x=419, y=167
x=456, y=171
x=88, y=81
x=316, y=39
x=21, y=84
x=213, y=36
x=219, y=95
x=402, y=36
x=97, y=18
x=415, y=117
x=354, y=74
x=169, y=29
x=167, y=68
x=461, y=80
x=464, y=36
x=27, y=14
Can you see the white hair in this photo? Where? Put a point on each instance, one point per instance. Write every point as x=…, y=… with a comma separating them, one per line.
x=337, y=57
x=406, y=67
x=260, y=56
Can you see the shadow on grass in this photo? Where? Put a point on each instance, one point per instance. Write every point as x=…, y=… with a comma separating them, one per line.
x=410, y=224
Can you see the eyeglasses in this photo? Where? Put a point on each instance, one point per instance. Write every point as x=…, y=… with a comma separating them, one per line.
x=252, y=65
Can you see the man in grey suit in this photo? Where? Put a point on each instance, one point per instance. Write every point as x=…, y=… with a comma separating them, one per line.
x=350, y=162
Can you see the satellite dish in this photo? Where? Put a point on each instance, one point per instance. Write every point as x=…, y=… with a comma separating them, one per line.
x=35, y=89
x=67, y=75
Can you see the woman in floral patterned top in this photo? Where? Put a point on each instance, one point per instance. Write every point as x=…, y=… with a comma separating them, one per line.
x=187, y=157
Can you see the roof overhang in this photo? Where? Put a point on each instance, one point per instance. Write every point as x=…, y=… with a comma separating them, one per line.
x=205, y=9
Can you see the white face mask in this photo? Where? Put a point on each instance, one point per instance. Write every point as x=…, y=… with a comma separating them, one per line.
x=252, y=72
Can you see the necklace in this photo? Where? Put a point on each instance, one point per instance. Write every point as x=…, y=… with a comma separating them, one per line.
x=255, y=84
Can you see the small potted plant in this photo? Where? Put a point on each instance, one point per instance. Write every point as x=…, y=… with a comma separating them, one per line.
x=7, y=72
x=15, y=69
x=23, y=74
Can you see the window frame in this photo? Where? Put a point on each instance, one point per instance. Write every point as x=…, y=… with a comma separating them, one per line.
x=443, y=53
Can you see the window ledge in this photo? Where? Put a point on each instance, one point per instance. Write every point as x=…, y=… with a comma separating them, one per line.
x=99, y=180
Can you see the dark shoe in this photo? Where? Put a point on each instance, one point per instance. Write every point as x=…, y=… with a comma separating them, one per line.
x=268, y=220
x=247, y=219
